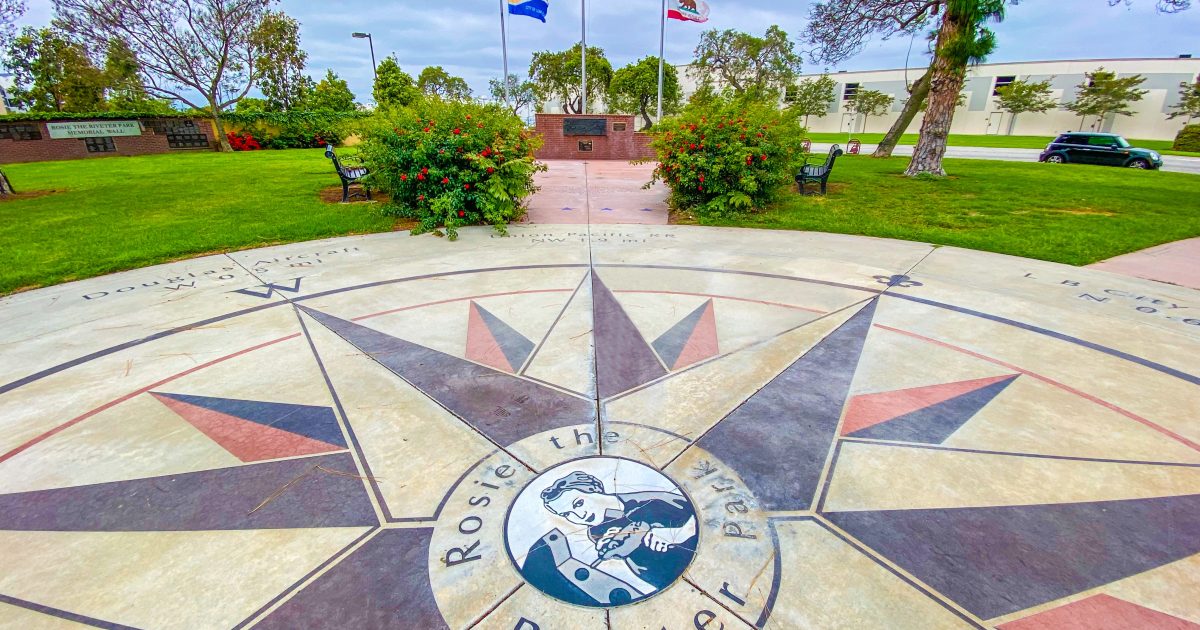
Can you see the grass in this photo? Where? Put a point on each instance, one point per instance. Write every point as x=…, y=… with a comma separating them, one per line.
x=1071, y=214
x=116, y=213
x=111, y=214
x=998, y=142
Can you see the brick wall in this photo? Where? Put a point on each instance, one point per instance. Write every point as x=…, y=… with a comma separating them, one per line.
x=616, y=145
x=74, y=148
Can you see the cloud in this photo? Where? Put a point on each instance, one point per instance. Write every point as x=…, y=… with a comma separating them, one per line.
x=464, y=35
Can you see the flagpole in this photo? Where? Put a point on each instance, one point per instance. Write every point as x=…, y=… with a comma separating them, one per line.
x=504, y=48
x=662, y=47
x=583, y=84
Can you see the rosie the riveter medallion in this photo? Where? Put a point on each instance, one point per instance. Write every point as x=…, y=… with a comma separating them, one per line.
x=601, y=532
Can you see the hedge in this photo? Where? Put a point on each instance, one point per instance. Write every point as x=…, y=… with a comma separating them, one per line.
x=1188, y=139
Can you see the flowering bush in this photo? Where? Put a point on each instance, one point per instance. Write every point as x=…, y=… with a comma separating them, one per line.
x=297, y=129
x=243, y=142
x=449, y=164
x=721, y=157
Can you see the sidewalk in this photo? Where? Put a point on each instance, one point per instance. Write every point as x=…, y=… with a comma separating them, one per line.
x=1171, y=163
x=597, y=192
x=1174, y=263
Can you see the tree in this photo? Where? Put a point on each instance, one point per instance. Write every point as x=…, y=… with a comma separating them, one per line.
x=51, y=73
x=184, y=48
x=124, y=90
x=1103, y=93
x=521, y=94
x=1021, y=96
x=332, y=94
x=918, y=92
x=1189, y=102
x=251, y=105
x=812, y=97
x=281, y=62
x=753, y=67
x=10, y=12
x=557, y=76
x=869, y=103
x=435, y=81
x=634, y=89
x=393, y=86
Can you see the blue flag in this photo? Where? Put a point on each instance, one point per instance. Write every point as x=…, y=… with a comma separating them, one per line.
x=532, y=8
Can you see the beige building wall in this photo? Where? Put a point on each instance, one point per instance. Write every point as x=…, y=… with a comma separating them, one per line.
x=980, y=114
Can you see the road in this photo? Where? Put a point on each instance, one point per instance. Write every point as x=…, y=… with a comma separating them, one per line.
x=1173, y=163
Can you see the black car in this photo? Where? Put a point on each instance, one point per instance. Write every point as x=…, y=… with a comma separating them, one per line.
x=1098, y=148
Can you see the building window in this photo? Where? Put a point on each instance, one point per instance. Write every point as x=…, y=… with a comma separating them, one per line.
x=99, y=145
x=1002, y=82
x=19, y=131
x=193, y=140
x=585, y=145
x=790, y=93
x=619, y=126
x=850, y=91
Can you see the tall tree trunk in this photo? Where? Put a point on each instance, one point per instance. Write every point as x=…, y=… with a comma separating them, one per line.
x=946, y=81
x=222, y=138
x=5, y=186
x=920, y=90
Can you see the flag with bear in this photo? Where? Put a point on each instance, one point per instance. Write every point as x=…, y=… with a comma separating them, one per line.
x=688, y=10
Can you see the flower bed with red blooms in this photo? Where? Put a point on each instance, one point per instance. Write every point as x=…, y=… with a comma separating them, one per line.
x=724, y=157
x=450, y=164
x=243, y=142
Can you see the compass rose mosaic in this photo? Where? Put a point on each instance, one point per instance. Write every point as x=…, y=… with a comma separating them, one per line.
x=667, y=427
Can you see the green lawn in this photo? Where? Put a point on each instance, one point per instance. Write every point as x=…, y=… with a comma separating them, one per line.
x=999, y=142
x=1072, y=214
x=119, y=213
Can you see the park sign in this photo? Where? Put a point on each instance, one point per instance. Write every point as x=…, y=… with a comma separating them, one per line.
x=93, y=129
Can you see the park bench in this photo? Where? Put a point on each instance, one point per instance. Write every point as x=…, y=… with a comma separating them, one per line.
x=350, y=175
x=818, y=173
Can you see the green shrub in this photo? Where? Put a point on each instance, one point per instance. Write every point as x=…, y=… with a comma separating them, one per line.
x=1188, y=139
x=292, y=129
x=722, y=157
x=449, y=164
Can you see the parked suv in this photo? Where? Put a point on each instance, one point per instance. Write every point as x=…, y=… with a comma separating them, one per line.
x=1098, y=148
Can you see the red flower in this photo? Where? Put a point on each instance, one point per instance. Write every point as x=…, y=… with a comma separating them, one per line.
x=699, y=188
x=425, y=171
x=743, y=136
x=692, y=147
x=445, y=180
x=749, y=159
x=420, y=197
x=701, y=179
x=403, y=177
x=427, y=130
x=468, y=117
x=481, y=125
x=461, y=213
x=760, y=135
x=763, y=157
x=420, y=177
x=491, y=170
x=466, y=187
x=457, y=131
x=691, y=127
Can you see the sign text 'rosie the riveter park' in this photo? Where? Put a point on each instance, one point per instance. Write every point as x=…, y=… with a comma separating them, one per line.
x=93, y=129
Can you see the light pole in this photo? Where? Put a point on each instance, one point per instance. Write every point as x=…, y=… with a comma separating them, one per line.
x=371, y=42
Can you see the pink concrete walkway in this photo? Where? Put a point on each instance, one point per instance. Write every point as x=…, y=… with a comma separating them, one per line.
x=600, y=192
x=1175, y=263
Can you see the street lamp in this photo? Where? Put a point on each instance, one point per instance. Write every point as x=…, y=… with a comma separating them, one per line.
x=367, y=36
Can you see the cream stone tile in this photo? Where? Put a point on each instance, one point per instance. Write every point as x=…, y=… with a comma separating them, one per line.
x=887, y=477
x=528, y=608
x=827, y=583
x=137, y=439
x=18, y=618
x=567, y=354
x=1161, y=589
x=469, y=565
x=186, y=580
x=29, y=412
x=1161, y=399
x=679, y=606
x=415, y=449
x=48, y=327
x=736, y=558
x=688, y=403
x=892, y=361
x=1031, y=416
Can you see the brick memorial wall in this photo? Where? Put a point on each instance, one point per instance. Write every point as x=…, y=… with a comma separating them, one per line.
x=33, y=141
x=591, y=137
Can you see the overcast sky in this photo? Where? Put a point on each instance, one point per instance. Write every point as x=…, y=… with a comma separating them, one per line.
x=464, y=35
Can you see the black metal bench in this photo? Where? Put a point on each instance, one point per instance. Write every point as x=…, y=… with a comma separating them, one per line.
x=350, y=175
x=818, y=173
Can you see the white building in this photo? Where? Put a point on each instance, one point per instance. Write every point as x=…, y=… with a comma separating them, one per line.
x=980, y=113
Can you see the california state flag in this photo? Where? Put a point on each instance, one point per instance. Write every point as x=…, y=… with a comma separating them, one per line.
x=688, y=10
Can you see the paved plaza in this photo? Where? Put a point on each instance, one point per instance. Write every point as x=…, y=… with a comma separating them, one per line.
x=601, y=427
